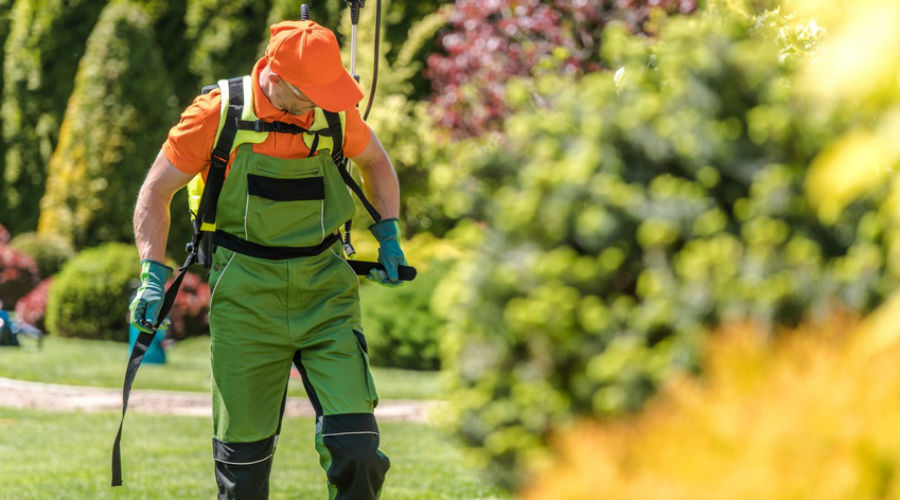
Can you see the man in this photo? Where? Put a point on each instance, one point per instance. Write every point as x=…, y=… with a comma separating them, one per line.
x=266, y=313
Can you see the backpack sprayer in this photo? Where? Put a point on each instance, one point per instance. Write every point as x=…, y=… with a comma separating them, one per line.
x=201, y=245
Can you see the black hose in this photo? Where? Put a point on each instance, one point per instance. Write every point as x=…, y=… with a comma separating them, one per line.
x=377, y=51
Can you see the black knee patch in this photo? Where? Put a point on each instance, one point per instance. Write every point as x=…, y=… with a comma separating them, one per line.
x=357, y=467
x=242, y=469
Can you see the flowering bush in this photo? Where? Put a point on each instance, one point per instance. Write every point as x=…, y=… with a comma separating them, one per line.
x=31, y=308
x=190, y=312
x=18, y=274
x=491, y=41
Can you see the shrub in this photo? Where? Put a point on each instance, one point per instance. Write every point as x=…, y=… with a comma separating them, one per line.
x=120, y=109
x=33, y=307
x=190, y=311
x=45, y=42
x=18, y=275
x=629, y=211
x=50, y=252
x=89, y=298
x=401, y=331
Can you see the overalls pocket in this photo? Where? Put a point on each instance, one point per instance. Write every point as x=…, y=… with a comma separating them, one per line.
x=370, y=382
x=284, y=206
x=221, y=260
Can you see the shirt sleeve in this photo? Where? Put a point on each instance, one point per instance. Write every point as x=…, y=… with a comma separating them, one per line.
x=356, y=133
x=190, y=141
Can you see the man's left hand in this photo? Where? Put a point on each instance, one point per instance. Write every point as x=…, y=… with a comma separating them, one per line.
x=387, y=232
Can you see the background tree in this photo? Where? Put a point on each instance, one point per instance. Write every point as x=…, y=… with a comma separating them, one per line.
x=224, y=36
x=119, y=113
x=46, y=40
x=5, y=7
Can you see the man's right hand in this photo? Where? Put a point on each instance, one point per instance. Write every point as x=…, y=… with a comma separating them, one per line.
x=149, y=297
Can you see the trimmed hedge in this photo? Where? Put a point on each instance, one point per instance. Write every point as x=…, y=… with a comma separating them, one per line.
x=89, y=297
x=50, y=252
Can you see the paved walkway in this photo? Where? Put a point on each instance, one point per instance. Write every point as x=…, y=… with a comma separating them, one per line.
x=38, y=395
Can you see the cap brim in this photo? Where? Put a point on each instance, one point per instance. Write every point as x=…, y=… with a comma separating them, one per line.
x=339, y=95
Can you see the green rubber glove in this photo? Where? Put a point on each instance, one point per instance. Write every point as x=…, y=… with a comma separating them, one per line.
x=387, y=232
x=149, y=297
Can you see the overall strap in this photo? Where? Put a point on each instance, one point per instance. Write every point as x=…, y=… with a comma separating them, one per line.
x=337, y=155
x=203, y=221
x=134, y=362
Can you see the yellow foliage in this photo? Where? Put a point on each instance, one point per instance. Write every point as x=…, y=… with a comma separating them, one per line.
x=851, y=166
x=815, y=415
x=855, y=70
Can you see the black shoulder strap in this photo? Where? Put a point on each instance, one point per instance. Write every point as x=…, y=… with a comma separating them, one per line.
x=220, y=154
x=337, y=137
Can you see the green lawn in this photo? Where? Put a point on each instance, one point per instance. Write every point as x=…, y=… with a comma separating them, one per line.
x=102, y=364
x=47, y=455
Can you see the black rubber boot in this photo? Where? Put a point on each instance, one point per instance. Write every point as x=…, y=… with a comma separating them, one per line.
x=242, y=469
x=357, y=467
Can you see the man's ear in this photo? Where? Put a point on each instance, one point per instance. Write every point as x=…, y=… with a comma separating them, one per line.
x=274, y=79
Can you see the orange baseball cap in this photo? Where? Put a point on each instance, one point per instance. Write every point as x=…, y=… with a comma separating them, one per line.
x=307, y=55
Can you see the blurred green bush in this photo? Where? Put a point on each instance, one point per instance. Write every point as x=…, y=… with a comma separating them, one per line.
x=49, y=252
x=89, y=297
x=121, y=108
x=629, y=211
x=401, y=330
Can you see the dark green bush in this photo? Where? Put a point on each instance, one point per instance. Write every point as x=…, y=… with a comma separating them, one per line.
x=120, y=110
x=225, y=36
x=89, y=297
x=50, y=252
x=401, y=330
x=630, y=211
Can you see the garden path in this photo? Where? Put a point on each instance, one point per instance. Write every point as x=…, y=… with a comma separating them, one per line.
x=53, y=397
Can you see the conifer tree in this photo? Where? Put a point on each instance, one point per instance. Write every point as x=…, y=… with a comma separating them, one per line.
x=46, y=40
x=120, y=110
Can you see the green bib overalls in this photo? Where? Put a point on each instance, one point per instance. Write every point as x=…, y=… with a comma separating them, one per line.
x=267, y=314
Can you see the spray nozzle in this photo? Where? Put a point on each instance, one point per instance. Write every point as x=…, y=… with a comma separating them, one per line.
x=355, y=5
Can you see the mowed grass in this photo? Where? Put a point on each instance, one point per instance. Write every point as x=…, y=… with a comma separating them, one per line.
x=102, y=364
x=46, y=455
